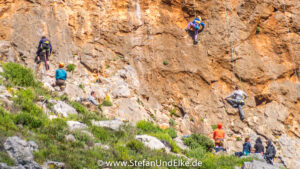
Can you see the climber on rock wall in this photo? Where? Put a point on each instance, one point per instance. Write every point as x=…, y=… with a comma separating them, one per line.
x=219, y=136
x=44, y=46
x=235, y=99
x=193, y=27
x=60, y=76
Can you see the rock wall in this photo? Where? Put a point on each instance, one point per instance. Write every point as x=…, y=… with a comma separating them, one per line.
x=125, y=43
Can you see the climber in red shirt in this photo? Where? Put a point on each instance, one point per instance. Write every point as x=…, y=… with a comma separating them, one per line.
x=219, y=136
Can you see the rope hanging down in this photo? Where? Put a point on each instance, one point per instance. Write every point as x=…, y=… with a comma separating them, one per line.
x=292, y=53
x=233, y=60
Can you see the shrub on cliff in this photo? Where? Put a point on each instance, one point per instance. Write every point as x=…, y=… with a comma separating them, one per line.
x=17, y=75
x=197, y=140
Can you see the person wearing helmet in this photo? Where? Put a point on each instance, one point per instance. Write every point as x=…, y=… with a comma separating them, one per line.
x=60, y=76
x=219, y=136
x=235, y=99
x=194, y=27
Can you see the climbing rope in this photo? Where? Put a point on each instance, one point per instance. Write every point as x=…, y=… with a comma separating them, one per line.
x=233, y=60
x=292, y=53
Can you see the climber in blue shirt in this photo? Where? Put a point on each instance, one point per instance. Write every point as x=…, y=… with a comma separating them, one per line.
x=195, y=27
x=60, y=76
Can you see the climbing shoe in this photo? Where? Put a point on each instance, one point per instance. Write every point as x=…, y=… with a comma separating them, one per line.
x=195, y=42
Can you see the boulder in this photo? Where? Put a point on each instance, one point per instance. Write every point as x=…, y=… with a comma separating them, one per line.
x=62, y=108
x=151, y=142
x=70, y=138
x=53, y=164
x=112, y=124
x=21, y=151
x=76, y=125
x=258, y=165
x=180, y=143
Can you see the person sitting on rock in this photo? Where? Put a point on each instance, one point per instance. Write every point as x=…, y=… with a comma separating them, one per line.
x=60, y=76
x=44, y=46
x=235, y=99
x=270, y=152
x=219, y=136
x=194, y=28
x=92, y=99
x=247, y=147
x=259, y=148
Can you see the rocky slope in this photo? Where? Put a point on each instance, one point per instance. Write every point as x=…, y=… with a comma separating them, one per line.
x=124, y=44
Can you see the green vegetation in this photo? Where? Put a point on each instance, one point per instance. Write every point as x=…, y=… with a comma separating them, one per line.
x=165, y=63
x=18, y=75
x=197, y=140
x=257, y=29
x=25, y=117
x=201, y=148
x=238, y=139
x=173, y=112
x=5, y=158
x=172, y=122
x=81, y=86
x=71, y=67
x=106, y=102
x=214, y=127
x=149, y=128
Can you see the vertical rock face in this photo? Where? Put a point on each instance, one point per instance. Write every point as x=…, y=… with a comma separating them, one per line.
x=253, y=43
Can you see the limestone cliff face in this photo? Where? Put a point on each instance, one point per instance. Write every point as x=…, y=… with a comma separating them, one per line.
x=127, y=42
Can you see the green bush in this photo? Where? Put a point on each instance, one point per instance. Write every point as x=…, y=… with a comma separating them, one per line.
x=257, y=29
x=166, y=137
x=101, y=133
x=135, y=145
x=5, y=158
x=172, y=122
x=149, y=127
x=71, y=67
x=197, y=140
x=172, y=132
x=165, y=63
x=17, y=75
x=6, y=120
x=28, y=119
x=173, y=112
x=214, y=127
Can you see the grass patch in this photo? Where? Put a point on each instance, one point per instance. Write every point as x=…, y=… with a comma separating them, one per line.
x=106, y=102
x=5, y=158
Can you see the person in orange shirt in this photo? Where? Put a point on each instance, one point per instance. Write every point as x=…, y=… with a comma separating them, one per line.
x=219, y=136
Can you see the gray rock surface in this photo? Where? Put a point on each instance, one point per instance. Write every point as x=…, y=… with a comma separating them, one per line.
x=180, y=143
x=62, y=108
x=70, y=138
x=258, y=165
x=76, y=125
x=21, y=151
x=151, y=142
x=112, y=124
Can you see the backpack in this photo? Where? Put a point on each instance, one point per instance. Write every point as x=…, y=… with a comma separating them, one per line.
x=45, y=45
